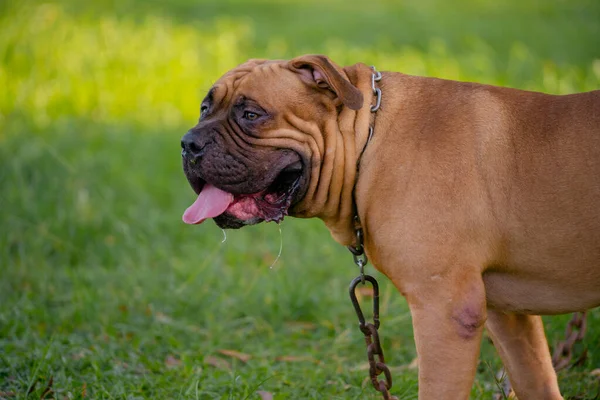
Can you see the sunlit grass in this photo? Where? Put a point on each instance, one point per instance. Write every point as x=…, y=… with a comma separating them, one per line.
x=105, y=290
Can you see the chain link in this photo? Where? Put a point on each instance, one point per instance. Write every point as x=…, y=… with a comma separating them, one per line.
x=358, y=253
x=375, y=77
x=574, y=333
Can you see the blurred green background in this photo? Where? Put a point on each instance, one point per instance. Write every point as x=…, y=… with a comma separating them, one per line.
x=106, y=291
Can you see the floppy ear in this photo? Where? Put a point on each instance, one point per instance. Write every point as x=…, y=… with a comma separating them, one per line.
x=320, y=71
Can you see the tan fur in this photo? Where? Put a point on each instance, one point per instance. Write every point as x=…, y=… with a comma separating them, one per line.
x=480, y=203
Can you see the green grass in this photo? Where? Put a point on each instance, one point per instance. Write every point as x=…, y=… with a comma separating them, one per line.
x=105, y=290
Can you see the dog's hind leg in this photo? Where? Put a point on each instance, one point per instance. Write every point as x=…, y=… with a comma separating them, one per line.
x=522, y=345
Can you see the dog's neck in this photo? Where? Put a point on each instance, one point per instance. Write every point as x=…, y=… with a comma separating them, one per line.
x=339, y=210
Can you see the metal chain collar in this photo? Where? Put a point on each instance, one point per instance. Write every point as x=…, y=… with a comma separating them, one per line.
x=370, y=330
x=375, y=77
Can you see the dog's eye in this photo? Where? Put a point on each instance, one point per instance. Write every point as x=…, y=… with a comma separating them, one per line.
x=250, y=116
x=203, y=110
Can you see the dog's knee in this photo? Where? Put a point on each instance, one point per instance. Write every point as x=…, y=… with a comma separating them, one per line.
x=456, y=301
x=469, y=320
x=470, y=313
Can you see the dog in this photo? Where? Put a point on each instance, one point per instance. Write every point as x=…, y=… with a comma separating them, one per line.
x=480, y=203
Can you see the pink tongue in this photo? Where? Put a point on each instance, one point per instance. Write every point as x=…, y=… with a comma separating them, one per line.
x=210, y=202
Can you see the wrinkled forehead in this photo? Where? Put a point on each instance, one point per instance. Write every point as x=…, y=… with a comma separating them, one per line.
x=265, y=81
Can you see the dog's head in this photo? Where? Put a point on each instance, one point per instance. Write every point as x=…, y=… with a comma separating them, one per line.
x=256, y=152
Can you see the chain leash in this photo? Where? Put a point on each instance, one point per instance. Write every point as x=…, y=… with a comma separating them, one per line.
x=574, y=333
x=375, y=356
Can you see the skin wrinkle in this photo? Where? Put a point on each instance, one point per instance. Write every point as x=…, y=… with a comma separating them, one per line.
x=245, y=142
x=238, y=79
x=316, y=146
x=304, y=132
x=309, y=132
x=329, y=168
x=350, y=157
x=315, y=181
x=242, y=146
x=219, y=98
x=273, y=68
x=241, y=149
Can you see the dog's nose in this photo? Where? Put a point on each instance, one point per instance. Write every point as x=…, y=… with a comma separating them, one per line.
x=190, y=148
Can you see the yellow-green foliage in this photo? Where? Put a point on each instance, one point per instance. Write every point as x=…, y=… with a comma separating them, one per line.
x=110, y=69
x=153, y=71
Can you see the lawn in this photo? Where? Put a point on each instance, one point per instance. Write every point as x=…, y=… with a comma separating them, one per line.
x=106, y=294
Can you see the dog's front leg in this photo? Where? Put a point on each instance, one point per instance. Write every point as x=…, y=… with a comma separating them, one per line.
x=449, y=312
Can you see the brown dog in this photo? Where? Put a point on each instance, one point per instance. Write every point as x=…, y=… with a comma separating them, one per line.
x=480, y=203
